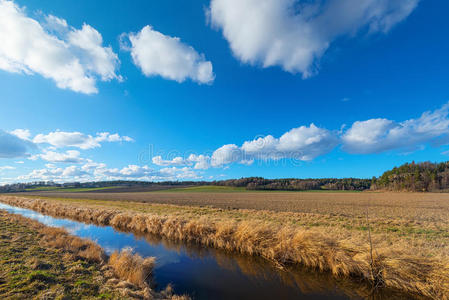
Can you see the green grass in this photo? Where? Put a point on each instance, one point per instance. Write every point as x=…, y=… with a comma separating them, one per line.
x=42, y=188
x=74, y=190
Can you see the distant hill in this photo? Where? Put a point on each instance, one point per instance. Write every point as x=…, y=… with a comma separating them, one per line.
x=414, y=177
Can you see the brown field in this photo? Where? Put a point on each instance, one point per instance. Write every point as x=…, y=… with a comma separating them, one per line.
x=307, y=202
x=408, y=249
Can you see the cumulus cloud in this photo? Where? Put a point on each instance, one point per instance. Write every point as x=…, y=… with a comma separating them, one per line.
x=130, y=171
x=12, y=146
x=99, y=171
x=178, y=173
x=302, y=143
x=201, y=162
x=107, y=137
x=52, y=173
x=24, y=134
x=157, y=54
x=197, y=161
x=379, y=135
x=60, y=139
x=74, y=58
x=70, y=156
x=293, y=34
x=226, y=154
x=2, y=168
x=177, y=161
x=305, y=143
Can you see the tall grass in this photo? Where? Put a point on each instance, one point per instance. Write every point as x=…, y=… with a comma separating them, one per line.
x=75, y=246
x=395, y=265
x=132, y=267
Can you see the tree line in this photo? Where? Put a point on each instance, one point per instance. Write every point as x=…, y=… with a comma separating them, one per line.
x=292, y=184
x=415, y=177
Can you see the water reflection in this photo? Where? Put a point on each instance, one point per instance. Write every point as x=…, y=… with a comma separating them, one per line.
x=207, y=273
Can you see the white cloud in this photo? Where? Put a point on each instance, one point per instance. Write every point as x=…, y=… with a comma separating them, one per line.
x=302, y=143
x=61, y=139
x=70, y=156
x=2, y=168
x=42, y=174
x=178, y=173
x=157, y=54
x=96, y=59
x=294, y=34
x=306, y=143
x=363, y=137
x=91, y=166
x=107, y=137
x=52, y=173
x=12, y=146
x=91, y=171
x=379, y=135
x=177, y=161
x=225, y=155
x=201, y=162
x=56, y=24
x=131, y=171
x=73, y=171
x=24, y=134
x=74, y=58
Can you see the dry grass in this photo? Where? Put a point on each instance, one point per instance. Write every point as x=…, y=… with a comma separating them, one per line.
x=77, y=247
x=132, y=267
x=330, y=239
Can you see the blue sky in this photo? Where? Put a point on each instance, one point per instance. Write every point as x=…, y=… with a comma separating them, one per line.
x=172, y=90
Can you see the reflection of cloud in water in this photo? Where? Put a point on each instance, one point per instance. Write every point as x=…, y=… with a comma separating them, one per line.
x=110, y=249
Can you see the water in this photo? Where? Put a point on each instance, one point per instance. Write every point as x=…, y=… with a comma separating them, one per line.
x=206, y=273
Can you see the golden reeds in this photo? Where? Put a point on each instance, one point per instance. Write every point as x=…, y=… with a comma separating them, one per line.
x=132, y=267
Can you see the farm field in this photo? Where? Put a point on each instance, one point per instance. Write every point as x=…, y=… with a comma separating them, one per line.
x=340, y=202
x=328, y=231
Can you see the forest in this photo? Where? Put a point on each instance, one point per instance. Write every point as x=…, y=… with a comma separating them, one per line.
x=414, y=177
